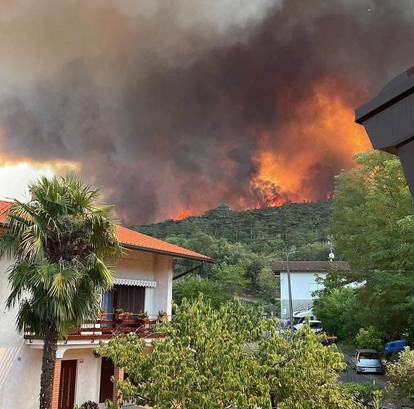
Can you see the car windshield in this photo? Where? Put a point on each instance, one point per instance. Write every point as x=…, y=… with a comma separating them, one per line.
x=368, y=355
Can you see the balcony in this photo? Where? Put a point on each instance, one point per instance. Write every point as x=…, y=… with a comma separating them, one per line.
x=107, y=326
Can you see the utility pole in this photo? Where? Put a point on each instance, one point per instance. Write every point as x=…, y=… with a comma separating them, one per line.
x=288, y=253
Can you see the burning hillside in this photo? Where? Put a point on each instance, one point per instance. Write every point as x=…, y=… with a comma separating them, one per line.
x=175, y=107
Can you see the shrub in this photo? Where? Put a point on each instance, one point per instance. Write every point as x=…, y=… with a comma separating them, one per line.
x=369, y=338
x=364, y=393
x=401, y=375
x=110, y=405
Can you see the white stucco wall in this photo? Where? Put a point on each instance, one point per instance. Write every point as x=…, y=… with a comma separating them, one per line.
x=19, y=364
x=303, y=285
x=162, y=300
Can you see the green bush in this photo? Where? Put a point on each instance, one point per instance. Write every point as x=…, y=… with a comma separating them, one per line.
x=369, y=338
x=110, y=405
x=401, y=375
x=366, y=394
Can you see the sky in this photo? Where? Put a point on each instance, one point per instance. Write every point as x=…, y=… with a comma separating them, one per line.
x=173, y=108
x=15, y=178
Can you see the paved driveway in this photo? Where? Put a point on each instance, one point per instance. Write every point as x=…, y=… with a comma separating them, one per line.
x=351, y=376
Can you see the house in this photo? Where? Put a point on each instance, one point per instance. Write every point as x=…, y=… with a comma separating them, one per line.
x=304, y=282
x=143, y=278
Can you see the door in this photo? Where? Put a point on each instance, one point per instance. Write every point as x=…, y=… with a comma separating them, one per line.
x=67, y=384
x=106, y=385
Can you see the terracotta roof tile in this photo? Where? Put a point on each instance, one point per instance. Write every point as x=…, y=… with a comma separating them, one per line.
x=3, y=210
x=135, y=240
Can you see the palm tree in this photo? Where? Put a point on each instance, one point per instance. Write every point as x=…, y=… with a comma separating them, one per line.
x=59, y=242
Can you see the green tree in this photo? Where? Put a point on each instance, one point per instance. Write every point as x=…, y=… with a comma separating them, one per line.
x=373, y=216
x=373, y=229
x=58, y=241
x=369, y=338
x=229, y=358
x=268, y=285
x=190, y=288
x=336, y=308
x=313, y=251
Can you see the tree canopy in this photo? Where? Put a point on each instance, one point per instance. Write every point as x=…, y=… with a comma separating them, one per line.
x=372, y=226
x=298, y=224
x=244, y=245
x=236, y=272
x=228, y=357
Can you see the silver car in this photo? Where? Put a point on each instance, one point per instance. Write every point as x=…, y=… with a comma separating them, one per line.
x=367, y=361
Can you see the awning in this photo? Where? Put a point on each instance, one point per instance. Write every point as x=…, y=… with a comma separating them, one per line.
x=135, y=283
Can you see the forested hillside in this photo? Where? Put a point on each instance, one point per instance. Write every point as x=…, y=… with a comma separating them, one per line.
x=296, y=224
x=244, y=245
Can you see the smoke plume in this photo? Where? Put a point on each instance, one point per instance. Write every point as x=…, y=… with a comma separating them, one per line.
x=174, y=107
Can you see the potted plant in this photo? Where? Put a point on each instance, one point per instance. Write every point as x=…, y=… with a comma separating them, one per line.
x=87, y=405
x=119, y=314
x=144, y=318
x=162, y=315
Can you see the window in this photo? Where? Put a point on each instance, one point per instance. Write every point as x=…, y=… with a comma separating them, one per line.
x=129, y=298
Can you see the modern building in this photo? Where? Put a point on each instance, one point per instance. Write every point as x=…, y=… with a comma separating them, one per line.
x=305, y=277
x=143, y=279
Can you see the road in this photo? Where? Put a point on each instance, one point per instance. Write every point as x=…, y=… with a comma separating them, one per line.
x=351, y=376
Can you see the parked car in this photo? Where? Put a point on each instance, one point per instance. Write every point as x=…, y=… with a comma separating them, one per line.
x=315, y=325
x=393, y=347
x=300, y=317
x=367, y=361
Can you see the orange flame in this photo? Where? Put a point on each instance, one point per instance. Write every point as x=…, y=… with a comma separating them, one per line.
x=321, y=133
x=183, y=213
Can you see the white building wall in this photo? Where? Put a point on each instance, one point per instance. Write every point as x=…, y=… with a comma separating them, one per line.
x=19, y=364
x=303, y=285
x=163, y=292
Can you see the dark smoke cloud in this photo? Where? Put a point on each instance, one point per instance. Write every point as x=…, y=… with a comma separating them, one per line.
x=162, y=102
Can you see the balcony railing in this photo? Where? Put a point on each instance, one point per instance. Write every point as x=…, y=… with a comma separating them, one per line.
x=109, y=326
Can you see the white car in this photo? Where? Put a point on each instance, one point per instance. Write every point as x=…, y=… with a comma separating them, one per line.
x=367, y=361
x=315, y=326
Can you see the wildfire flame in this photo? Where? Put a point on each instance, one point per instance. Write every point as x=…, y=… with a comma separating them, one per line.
x=320, y=134
x=183, y=213
x=319, y=140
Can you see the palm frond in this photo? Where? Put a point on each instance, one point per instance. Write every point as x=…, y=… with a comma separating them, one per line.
x=60, y=240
